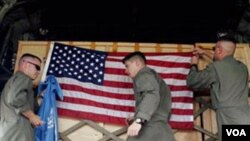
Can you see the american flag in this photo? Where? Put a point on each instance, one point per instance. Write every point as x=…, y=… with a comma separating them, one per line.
x=96, y=87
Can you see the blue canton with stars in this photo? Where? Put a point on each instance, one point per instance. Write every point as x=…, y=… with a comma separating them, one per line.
x=78, y=63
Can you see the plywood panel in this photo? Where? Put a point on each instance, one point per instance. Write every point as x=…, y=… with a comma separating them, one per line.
x=87, y=133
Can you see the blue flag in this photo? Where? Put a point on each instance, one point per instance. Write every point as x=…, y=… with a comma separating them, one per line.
x=48, y=111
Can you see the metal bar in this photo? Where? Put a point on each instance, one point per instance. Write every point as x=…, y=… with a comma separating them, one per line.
x=116, y=133
x=202, y=130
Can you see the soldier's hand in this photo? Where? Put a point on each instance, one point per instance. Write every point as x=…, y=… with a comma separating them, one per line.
x=134, y=129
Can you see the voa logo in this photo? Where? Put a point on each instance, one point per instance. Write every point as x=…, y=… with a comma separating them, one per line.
x=236, y=132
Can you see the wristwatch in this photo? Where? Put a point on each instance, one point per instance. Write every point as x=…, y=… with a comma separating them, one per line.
x=139, y=121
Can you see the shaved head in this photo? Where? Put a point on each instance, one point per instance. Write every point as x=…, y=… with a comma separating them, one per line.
x=228, y=46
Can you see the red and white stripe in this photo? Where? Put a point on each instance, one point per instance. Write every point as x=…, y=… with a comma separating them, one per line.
x=114, y=101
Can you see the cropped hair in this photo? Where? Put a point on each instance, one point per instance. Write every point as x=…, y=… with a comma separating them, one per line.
x=29, y=55
x=133, y=55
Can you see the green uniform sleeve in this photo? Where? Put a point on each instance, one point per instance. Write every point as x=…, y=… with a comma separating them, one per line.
x=148, y=89
x=201, y=79
x=18, y=94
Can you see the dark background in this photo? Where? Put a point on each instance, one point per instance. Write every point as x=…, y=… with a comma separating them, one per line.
x=158, y=21
x=163, y=21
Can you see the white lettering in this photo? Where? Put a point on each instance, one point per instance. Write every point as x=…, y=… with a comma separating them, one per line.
x=236, y=132
x=242, y=132
x=229, y=132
